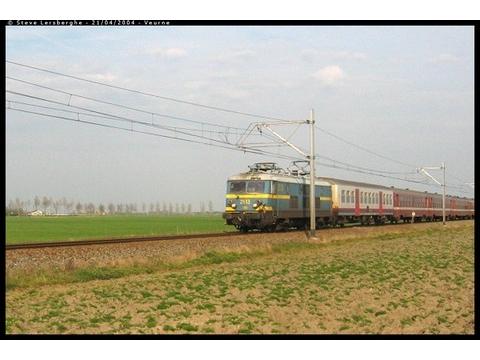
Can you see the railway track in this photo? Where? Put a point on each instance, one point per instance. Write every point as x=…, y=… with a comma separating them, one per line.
x=74, y=243
x=114, y=241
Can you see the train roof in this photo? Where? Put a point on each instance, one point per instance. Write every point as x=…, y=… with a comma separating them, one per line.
x=362, y=184
x=325, y=181
x=354, y=183
x=278, y=177
x=270, y=171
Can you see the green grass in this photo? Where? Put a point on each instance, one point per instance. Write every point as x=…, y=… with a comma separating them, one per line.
x=22, y=229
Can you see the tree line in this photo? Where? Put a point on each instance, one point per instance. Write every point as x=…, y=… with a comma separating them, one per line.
x=50, y=206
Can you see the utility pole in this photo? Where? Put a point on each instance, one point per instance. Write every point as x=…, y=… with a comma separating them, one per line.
x=442, y=167
x=443, y=210
x=309, y=157
x=312, y=175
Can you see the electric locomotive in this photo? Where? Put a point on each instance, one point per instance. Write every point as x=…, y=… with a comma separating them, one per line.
x=269, y=198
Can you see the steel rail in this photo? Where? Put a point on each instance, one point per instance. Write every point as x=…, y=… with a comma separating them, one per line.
x=109, y=241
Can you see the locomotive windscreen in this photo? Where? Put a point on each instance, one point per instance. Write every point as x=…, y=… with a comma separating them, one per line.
x=252, y=186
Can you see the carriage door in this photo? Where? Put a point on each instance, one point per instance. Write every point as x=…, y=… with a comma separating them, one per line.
x=396, y=202
x=357, y=202
x=380, y=205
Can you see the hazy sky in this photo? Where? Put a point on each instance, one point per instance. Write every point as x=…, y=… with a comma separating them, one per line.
x=405, y=92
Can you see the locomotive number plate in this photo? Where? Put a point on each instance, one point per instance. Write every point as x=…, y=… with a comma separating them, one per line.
x=245, y=201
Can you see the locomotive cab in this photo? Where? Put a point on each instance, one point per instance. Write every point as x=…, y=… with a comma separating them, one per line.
x=249, y=204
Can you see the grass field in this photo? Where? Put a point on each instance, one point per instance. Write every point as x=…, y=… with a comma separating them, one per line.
x=413, y=282
x=23, y=229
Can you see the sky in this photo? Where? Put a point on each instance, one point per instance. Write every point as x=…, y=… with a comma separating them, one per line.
x=403, y=92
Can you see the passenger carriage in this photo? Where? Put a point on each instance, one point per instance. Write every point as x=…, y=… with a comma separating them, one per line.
x=360, y=202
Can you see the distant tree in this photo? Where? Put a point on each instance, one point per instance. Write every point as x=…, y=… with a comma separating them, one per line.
x=78, y=208
x=90, y=208
x=36, y=202
x=15, y=207
x=164, y=208
x=157, y=207
x=120, y=208
x=45, y=203
x=11, y=208
x=144, y=208
x=64, y=204
x=70, y=205
x=27, y=205
x=210, y=206
x=101, y=208
x=170, y=208
x=177, y=208
x=133, y=208
x=183, y=208
x=18, y=206
x=189, y=208
x=202, y=207
x=152, y=208
x=111, y=208
x=56, y=205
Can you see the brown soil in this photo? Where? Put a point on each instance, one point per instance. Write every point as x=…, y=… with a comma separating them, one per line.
x=396, y=283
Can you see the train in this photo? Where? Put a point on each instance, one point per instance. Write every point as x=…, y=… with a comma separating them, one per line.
x=269, y=198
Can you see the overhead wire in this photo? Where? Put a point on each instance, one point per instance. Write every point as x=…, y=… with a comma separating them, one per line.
x=225, y=146
x=368, y=172
x=100, y=114
x=146, y=93
x=120, y=105
x=364, y=168
x=363, y=148
x=122, y=118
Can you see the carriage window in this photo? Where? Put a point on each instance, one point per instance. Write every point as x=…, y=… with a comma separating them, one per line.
x=343, y=196
x=353, y=196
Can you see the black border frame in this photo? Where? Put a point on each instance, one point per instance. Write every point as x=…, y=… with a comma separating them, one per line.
x=168, y=22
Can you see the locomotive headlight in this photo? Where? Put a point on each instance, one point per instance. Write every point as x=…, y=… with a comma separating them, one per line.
x=257, y=204
x=234, y=206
